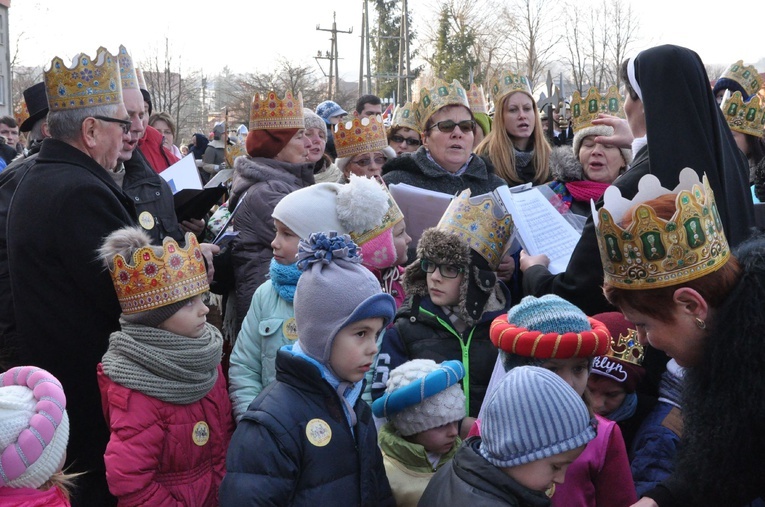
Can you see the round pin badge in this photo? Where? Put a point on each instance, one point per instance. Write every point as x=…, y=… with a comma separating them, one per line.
x=318, y=432
x=146, y=220
x=289, y=329
x=201, y=433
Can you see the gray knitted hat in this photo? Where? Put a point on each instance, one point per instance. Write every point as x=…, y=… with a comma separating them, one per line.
x=533, y=414
x=313, y=120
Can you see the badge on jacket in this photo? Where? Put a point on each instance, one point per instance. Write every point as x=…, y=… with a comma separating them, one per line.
x=146, y=220
x=201, y=433
x=318, y=432
x=289, y=329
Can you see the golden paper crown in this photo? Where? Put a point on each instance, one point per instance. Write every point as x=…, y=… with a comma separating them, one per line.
x=405, y=116
x=360, y=135
x=127, y=70
x=509, y=82
x=269, y=112
x=146, y=281
x=84, y=84
x=482, y=222
x=627, y=348
x=477, y=99
x=584, y=110
x=652, y=252
x=745, y=117
x=745, y=75
x=439, y=95
x=21, y=112
x=140, y=78
x=391, y=218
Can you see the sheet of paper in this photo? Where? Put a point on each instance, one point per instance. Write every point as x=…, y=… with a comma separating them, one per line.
x=422, y=208
x=222, y=176
x=182, y=175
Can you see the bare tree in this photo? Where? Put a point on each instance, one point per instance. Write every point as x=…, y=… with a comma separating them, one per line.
x=624, y=33
x=536, y=37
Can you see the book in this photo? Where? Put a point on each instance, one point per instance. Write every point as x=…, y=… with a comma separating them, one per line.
x=191, y=200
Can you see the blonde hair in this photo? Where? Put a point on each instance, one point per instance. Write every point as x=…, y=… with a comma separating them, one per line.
x=63, y=481
x=498, y=146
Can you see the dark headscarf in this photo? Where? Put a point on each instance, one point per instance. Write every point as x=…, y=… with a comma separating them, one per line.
x=198, y=149
x=686, y=129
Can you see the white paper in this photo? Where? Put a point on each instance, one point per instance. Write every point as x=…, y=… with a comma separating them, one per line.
x=222, y=176
x=182, y=175
x=422, y=208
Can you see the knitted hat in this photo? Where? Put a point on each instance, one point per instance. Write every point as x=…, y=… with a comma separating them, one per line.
x=328, y=109
x=622, y=364
x=334, y=291
x=34, y=427
x=313, y=120
x=598, y=130
x=422, y=395
x=267, y=143
x=533, y=414
x=356, y=206
x=484, y=121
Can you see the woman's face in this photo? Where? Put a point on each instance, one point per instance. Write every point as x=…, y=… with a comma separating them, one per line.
x=165, y=130
x=401, y=241
x=318, y=139
x=405, y=140
x=741, y=142
x=296, y=150
x=601, y=162
x=519, y=118
x=366, y=164
x=633, y=109
x=450, y=150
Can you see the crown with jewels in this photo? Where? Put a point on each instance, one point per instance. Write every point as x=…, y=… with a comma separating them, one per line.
x=745, y=75
x=86, y=83
x=405, y=116
x=147, y=281
x=627, y=348
x=391, y=218
x=745, y=117
x=652, y=252
x=586, y=109
x=21, y=112
x=360, y=135
x=141, y=79
x=477, y=99
x=509, y=82
x=269, y=112
x=439, y=95
x=482, y=222
x=127, y=69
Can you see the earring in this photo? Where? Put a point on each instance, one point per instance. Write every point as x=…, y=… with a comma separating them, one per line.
x=700, y=323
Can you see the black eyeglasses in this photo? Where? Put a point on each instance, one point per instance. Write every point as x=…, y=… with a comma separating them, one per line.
x=447, y=270
x=448, y=126
x=410, y=141
x=125, y=124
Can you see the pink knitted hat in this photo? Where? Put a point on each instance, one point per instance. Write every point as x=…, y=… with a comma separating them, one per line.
x=34, y=427
x=380, y=251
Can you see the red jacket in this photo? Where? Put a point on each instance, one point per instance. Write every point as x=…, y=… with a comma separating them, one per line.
x=159, y=157
x=161, y=454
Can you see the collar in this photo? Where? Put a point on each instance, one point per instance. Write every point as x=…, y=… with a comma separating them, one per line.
x=459, y=172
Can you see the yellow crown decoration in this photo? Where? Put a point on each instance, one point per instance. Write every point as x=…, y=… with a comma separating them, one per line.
x=127, y=70
x=405, y=116
x=586, y=109
x=148, y=281
x=21, y=112
x=745, y=75
x=477, y=99
x=86, y=83
x=651, y=252
x=745, y=117
x=439, y=95
x=141, y=79
x=360, y=135
x=627, y=348
x=391, y=218
x=508, y=82
x=482, y=222
x=269, y=112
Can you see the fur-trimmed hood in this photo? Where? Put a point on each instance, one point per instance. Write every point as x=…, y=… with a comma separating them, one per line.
x=251, y=170
x=564, y=165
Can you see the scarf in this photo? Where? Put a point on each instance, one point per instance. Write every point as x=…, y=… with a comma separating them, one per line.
x=625, y=410
x=452, y=313
x=523, y=158
x=172, y=368
x=671, y=384
x=284, y=279
x=585, y=190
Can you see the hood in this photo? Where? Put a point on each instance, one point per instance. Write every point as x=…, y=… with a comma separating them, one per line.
x=251, y=170
x=565, y=166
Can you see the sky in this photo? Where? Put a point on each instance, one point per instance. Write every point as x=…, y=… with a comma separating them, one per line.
x=251, y=36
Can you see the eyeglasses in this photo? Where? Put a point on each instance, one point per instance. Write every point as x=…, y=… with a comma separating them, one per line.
x=448, y=126
x=410, y=141
x=364, y=162
x=447, y=270
x=125, y=124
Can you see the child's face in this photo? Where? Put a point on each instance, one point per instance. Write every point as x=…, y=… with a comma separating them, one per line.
x=574, y=371
x=354, y=349
x=606, y=394
x=442, y=290
x=542, y=474
x=401, y=241
x=189, y=320
x=438, y=440
x=285, y=244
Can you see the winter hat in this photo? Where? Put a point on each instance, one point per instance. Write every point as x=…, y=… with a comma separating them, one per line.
x=598, y=130
x=268, y=143
x=334, y=291
x=328, y=109
x=313, y=120
x=219, y=129
x=623, y=363
x=377, y=246
x=421, y=395
x=34, y=427
x=356, y=206
x=533, y=414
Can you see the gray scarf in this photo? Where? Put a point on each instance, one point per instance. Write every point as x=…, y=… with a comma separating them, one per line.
x=172, y=368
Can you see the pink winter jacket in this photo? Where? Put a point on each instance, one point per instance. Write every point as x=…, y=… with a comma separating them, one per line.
x=28, y=497
x=161, y=454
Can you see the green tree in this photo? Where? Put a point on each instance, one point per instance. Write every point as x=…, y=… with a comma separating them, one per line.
x=453, y=55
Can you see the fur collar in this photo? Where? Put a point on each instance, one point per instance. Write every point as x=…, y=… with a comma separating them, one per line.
x=565, y=166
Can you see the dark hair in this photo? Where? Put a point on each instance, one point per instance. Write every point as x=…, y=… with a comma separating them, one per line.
x=429, y=124
x=367, y=99
x=9, y=120
x=625, y=77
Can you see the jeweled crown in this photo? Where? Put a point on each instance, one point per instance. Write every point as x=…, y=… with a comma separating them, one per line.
x=21, y=112
x=477, y=99
x=509, y=82
x=627, y=348
x=745, y=117
x=147, y=281
x=745, y=75
x=405, y=116
x=269, y=112
x=439, y=95
x=128, y=73
x=141, y=79
x=391, y=218
x=586, y=109
x=481, y=221
x=360, y=135
x=86, y=83
x=651, y=252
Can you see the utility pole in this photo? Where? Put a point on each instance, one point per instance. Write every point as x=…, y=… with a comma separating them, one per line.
x=403, y=58
x=365, y=51
x=332, y=56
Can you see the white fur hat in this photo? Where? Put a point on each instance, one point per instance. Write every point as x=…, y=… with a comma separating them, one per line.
x=598, y=130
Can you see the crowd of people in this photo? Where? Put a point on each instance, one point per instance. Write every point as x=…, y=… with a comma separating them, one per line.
x=352, y=364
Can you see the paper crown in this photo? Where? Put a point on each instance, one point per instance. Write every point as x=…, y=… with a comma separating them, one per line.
x=147, y=281
x=586, y=109
x=405, y=116
x=482, y=222
x=391, y=218
x=745, y=75
x=509, y=82
x=21, y=112
x=652, y=252
x=439, y=95
x=127, y=70
x=84, y=84
x=140, y=78
x=360, y=135
x=745, y=117
x=477, y=99
x=269, y=112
